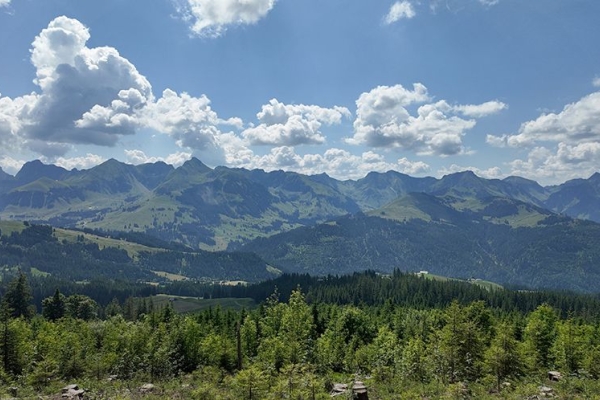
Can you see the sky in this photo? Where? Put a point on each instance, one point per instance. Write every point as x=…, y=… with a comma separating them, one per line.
x=343, y=87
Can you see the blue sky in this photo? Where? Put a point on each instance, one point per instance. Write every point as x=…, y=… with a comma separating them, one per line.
x=424, y=87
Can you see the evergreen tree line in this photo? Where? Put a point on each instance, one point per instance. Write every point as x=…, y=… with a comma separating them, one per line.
x=402, y=289
x=296, y=349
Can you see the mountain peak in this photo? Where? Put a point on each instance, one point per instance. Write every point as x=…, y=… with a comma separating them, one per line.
x=112, y=166
x=112, y=161
x=194, y=164
x=467, y=173
x=34, y=170
x=460, y=178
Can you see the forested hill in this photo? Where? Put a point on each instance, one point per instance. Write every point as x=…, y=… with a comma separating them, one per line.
x=556, y=253
x=41, y=250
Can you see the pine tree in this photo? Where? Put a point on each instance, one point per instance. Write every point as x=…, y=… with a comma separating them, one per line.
x=502, y=358
x=18, y=297
x=53, y=308
x=540, y=334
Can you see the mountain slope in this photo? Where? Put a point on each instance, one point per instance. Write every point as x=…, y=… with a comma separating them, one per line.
x=579, y=198
x=79, y=256
x=216, y=208
x=553, y=252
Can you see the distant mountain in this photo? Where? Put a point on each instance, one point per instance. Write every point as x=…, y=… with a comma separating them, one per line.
x=579, y=198
x=6, y=181
x=34, y=170
x=215, y=208
x=5, y=177
x=377, y=189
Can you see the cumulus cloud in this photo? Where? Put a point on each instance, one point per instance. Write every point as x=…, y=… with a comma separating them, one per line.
x=88, y=95
x=11, y=122
x=398, y=11
x=335, y=162
x=11, y=165
x=187, y=119
x=95, y=96
x=291, y=125
x=562, y=145
x=4, y=3
x=83, y=162
x=553, y=166
x=383, y=120
x=577, y=122
x=488, y=173
x=137, y=157
x=211, y=18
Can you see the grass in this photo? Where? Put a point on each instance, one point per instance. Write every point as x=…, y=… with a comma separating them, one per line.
x=183, y=304
x=8, y=227
x=479, y=282
x=132, y=249
x=170, y=276
x=39, y=274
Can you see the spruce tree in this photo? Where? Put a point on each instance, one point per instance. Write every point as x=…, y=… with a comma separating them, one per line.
x=53, y=308
x=18, y=297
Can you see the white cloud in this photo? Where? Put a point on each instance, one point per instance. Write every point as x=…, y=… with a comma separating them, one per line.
x=337, y=163
x=563, y=145
x=11, y=121
x=455, y=6
x=95, y=96
x=211, y=18
x=291, y=125
x=85, y=162
x=577, y=122
x=497, y=141
x=137, y=157
x=489, y=173
x=481, y=110
x=11, y=165
x=412, y=167
x=398, y=11
x=567, y=162
x=86, y=93
x=596, y=81
x=4, y=3
x=187, y=119
x=384, y=121
x=120, y=116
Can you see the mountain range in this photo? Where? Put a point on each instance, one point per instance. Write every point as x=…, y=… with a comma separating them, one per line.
x=511, y=230
x=212, y=208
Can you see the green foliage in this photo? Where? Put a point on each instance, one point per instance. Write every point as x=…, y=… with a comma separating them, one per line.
x=540, y=334
x=562, y=254
x=92, y=257
x=504, y=358
x=54, y=308
x=17, y=299
x=461, y=350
